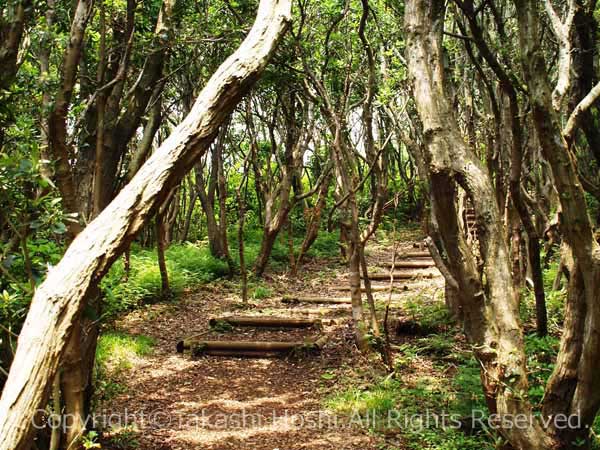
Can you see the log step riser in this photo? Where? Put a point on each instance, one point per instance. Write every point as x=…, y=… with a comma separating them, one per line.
x=399, y=276
x=265, y=322
x=250, y=349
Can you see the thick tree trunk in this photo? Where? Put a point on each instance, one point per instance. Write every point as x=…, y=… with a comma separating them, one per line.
x=11, y=34
x=58, y=301
x=488, y=298
x=580, y=347
x=73, y=389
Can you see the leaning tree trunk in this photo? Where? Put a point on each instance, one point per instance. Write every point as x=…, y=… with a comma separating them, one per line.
x=59, y=300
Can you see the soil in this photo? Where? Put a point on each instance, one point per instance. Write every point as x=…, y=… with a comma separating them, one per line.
x=174, y=401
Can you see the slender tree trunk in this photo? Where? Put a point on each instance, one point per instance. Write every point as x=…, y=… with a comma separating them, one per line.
x=538, y=286
x=314, y=223
x=369, y=293
x=12, y=32
x=57, y=121
x=243, y=271
x=73, y=379
x=222, y=196
x=266, y=248
x=161, y=243
x=188, y=216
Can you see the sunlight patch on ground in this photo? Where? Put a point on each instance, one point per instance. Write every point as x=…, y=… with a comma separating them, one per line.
x=231, y=404
x=208, y=436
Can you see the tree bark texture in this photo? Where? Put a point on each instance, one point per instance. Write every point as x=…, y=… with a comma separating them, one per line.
x=488, y=298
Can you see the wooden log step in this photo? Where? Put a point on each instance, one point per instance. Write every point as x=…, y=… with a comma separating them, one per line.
x=399, y=276
x=309, y=299
x=238, y=353
x=424, y=264
x=419, y=245
x=265, y=321
x=248, y=348
x=321, y=312
x=409, y=255
x=395, y=288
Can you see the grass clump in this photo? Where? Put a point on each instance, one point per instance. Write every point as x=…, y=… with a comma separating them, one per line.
x=260, y=292
x=117, y=349
x=376, y=401
x=116, y=353
x=125, y=438
x=428, y=315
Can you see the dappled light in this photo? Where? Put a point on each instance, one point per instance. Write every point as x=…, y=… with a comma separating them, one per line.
x=299, y=225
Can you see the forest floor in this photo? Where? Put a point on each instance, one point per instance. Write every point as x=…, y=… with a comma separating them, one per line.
x=159, y=399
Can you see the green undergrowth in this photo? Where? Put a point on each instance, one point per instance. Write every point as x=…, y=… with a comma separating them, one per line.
x=429, y=402
x=188, y=265
x=429, y=314
x=435, y=396
x=116, y=354
x=325, y=246
x=418, y=411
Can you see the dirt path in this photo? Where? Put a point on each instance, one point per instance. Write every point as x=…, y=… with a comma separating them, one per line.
x=174, y=401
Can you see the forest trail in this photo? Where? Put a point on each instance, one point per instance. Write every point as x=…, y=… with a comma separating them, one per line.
x=173, y=401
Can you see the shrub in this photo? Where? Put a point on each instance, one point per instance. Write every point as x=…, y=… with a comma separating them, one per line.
x=187, y=265
x=197, y=261
x=327, y=245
